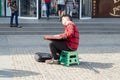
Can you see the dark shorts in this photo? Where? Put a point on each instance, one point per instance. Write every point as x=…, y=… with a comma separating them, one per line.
x=61, y=7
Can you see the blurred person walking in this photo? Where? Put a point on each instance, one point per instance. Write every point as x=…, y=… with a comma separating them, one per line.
x=47, y=3
x=70, y=5
x=14, y=12
x=61, y=7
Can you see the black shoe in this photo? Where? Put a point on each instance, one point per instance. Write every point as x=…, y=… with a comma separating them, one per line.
x=11, y=25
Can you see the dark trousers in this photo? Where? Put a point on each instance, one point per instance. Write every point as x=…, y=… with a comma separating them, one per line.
x=56, y=47
x=16, y=18
x=48, y=9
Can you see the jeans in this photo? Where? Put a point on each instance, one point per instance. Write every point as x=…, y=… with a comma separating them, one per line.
x=56, y=47
x=48, y=9
x=16, y=18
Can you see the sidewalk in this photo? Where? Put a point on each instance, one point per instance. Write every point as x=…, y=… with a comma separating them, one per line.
x=99, y=57
x=54, y=20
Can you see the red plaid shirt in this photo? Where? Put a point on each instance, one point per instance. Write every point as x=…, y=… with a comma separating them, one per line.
x=72, y=34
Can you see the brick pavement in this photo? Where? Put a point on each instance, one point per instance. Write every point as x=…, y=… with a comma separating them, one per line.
x=92, y=67
x=17, y=62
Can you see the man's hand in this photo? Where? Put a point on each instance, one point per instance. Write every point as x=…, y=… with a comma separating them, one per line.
x=46, y=37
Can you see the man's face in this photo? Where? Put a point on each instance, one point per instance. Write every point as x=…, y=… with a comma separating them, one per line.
x=63, y=20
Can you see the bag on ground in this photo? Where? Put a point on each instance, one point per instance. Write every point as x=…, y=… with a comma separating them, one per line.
x=41, y=57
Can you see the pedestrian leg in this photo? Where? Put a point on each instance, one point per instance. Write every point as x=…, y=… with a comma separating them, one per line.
x=11, y=20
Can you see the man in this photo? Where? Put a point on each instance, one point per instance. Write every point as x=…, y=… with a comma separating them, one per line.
x=61, y=7
x=14, y=12
x=68, y=41
x=70, y=4
x=47, y=3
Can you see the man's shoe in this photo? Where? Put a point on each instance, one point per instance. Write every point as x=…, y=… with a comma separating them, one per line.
x=11, y=25
x=19, y=26
x=51, y=61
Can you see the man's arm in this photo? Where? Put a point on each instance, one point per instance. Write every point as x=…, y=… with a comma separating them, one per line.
x=74, y=2
x=13, y=8
x=8, y=4
x=55, y=1
x=52, y=37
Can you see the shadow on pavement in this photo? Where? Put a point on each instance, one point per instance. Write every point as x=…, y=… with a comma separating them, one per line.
x=93, y=66
x=9, y=73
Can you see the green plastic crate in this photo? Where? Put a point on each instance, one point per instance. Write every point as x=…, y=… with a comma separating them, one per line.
x=69, y=57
